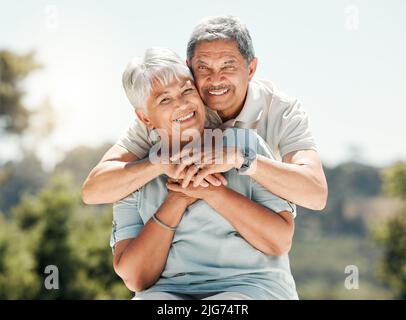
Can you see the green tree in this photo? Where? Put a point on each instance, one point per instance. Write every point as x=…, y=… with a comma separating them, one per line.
x=14, y=116
x=19, y=177
x=65, y=233
x=392, y=235
x=18, y=278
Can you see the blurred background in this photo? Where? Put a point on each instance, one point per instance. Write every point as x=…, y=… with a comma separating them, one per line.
x=62, y=106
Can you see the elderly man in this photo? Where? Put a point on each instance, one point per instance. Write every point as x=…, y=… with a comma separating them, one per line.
x=221, y=56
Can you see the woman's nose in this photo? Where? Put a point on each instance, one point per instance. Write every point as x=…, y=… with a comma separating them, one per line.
x=183, y=103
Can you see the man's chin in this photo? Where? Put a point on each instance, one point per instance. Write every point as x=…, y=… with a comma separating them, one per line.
x=217, y=106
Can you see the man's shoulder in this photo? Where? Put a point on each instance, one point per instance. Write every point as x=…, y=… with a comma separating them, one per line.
x=269, y=88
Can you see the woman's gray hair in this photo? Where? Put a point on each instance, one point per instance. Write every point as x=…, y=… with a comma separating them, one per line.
x=157, y=64
x=222, y=28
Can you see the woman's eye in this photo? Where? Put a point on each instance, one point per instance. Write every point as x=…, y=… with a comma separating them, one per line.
x=188, y=90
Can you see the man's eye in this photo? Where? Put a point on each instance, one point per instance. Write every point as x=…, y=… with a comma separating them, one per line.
x=165, y=101
x=229, y=68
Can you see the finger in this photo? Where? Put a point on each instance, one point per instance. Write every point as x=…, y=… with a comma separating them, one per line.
x=195, y=158
x=191, y=171
x=212, y=180
x=174, y=187
x=179, y=170
x=204, y=184
x=201, y=175
x=220, y=177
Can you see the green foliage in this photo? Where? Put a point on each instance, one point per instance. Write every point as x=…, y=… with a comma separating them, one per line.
x=19, y=177
x=14, y=116
x=318, y=266
x=55, y=228
x=80, y=160
x=395, y=180
x=346, y=182
x=392, y=234
x=18, y=278
x=392, y=268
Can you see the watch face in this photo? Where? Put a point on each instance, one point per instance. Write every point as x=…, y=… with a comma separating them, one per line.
x=250, y=154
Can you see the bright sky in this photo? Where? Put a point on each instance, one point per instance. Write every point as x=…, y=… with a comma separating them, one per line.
x=345, y=60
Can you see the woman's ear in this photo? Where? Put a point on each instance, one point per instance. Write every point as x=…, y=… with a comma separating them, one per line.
x=144, y=118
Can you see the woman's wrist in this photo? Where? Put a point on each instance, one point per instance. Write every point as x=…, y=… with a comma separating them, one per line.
x=171, y=211
x=213, y=192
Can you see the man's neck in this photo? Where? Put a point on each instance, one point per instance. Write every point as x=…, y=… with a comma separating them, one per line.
x=230, y=113
x=233, y=112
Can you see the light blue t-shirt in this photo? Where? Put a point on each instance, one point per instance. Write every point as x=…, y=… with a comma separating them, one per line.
x=207, y=253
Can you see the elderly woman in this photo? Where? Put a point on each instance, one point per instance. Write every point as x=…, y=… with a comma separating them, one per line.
x=215, y=242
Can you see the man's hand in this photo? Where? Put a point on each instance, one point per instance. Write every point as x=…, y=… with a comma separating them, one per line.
x=192, y=192
x=182, y=172
x=200, y=165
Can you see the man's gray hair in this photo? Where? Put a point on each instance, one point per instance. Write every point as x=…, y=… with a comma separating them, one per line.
x=222, y=28
x=157, y=64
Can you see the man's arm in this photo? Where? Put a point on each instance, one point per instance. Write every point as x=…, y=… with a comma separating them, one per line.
x=299, y=178
x=118, y=174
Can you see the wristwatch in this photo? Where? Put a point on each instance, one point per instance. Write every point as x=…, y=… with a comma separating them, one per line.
x=249, y=156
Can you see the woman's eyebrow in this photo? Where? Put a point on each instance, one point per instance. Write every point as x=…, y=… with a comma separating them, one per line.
x=160, y=93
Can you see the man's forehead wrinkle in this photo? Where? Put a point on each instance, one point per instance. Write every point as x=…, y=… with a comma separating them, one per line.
x=217, y=58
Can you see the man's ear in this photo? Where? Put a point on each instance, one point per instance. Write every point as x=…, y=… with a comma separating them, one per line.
x=144, y=118
x=188, y=63
x=252, y=67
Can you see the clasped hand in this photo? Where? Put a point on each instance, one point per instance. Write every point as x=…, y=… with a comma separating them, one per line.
x=203, y=168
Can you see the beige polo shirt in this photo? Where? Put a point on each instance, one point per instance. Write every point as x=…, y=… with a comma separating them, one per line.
x=279, y=119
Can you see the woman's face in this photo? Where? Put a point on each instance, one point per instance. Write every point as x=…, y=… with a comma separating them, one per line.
x=175, y=108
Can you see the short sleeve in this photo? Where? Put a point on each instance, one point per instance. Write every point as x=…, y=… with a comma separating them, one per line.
x=127, y=222
x=269, y=200
x=292, y=126
x=136, y=139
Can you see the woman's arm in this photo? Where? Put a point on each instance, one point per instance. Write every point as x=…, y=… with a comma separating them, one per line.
x=140, y=261
x=264, y=229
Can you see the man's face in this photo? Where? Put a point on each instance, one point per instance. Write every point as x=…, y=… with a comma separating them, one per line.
x=222, y=75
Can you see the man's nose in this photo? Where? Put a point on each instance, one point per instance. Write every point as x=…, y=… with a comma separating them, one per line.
x=215, y=79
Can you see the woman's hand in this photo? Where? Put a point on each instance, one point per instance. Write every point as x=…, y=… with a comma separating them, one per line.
x=193, y=192
x=174, y=195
